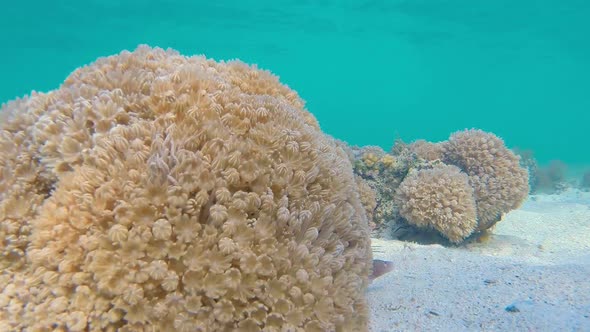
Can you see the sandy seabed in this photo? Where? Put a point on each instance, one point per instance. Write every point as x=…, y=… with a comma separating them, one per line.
x=533, y=274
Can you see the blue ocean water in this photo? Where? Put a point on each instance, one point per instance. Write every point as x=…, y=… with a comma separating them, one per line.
x=371, y=71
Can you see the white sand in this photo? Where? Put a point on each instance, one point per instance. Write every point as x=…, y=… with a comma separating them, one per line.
x=537, y=262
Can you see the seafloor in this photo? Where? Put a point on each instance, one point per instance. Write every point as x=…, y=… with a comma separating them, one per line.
x=530, y=275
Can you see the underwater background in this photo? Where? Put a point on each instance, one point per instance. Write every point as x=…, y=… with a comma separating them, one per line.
x=371, y=71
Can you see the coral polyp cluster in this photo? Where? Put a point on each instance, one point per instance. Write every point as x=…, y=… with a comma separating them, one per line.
x=465, y=186
x=456, y=188
x=439, y=198
x=154, y=191
x=500, y=184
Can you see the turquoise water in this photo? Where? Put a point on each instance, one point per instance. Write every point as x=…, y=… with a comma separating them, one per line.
x=370, y=70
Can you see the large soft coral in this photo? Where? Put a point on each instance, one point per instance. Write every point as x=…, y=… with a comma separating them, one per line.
x=154, y=191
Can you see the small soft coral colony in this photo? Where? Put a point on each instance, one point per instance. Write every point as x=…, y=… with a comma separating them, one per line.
x=439, y=198
x=154, y=191
x=468, y=184
x=500, y=184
